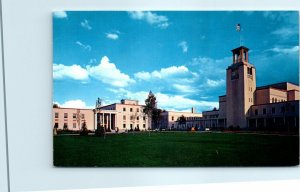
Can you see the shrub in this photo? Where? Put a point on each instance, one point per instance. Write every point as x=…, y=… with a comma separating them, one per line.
x=100, y=131
x=84, y=131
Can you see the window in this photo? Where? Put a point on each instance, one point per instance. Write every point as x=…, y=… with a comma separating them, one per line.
x=264, y=111
x=124, y=109
x=56, y=115
x=249, y=71
x=144, y=118
x=144, y=125
x=137, y=118
x=82, y=116
x=74, y=115
x=273, y=100
x=273, y=110
x=293, y=108
x=172, y=118
x=124, y=125
x=74, y=125
x=56, y=125
x=131, y=126
x=65, y=115
x=124, y=117
x=138, y=110
x=249, y=100
x=65, y=126
x=131, y=110
x=256, y=112
x=131, y=117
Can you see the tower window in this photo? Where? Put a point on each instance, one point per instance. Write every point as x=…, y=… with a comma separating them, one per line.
x=249, y=70
x=56, y=115
x=273, y=110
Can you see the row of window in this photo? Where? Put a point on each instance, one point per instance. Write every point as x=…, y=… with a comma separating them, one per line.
x=188, y=118
x=131, y=126
x=66, y=125
x=66, y=115
x=274, y=100
x=132, y=118
x=283, y=109
x=131, y=109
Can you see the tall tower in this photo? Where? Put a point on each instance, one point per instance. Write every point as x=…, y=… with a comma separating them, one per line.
x=240, y=88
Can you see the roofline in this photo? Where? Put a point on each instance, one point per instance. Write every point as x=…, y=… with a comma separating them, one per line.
x=240, y=47
x=71, y=108
x=276, y=103
x=276, y=84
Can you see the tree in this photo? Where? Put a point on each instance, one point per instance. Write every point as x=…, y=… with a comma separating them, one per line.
x=55, y=105
x=151, y=109
x=84, y=131
x=182, y=120
x=156, y=116
x=100, y=131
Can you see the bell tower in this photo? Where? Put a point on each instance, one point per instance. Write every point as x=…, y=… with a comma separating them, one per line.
x=240, y=88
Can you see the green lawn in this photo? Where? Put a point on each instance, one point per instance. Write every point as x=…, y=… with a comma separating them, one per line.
x=176, y=149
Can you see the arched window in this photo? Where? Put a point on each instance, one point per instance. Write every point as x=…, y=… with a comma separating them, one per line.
x=273, y=100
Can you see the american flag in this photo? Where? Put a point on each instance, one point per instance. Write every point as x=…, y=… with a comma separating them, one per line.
x=238, y=27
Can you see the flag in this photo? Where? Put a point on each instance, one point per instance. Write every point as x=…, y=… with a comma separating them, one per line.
x=238, y=27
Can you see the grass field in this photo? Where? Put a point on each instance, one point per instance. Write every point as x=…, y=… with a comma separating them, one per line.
x=176, y=149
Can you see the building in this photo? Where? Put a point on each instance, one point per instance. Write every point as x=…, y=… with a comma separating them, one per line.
x=170, y=120
x=72, y=119
x=124, y=116
x=246, y=106
x=271, y=107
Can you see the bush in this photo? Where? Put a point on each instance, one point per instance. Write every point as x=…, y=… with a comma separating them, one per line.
x=100, y=131
x=84, y=131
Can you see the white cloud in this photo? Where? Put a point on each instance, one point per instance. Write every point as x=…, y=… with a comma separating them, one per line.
x=108, y=73
x=184, y=88
x=75, y=72
x=105, y=72
x=184, y=46
x=76, y=103
x=179, y=102
x=285, y=32
x=113, y=36
x=60, y=14
x=85, y=47
x=168, y=102
x=215, y=83
x=163, y=73
x=289, y=50
x=151, y=18
x=85, y=24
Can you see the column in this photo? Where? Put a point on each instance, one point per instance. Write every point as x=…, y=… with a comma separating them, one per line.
x=256, y=123
x=95, y=122
x=102, y=119
x=110, y=121
x=106, y=121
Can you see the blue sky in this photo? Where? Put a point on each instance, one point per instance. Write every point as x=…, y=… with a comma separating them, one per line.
x=180, y=56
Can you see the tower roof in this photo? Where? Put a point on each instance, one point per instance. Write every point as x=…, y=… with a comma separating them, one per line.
x=239, y=48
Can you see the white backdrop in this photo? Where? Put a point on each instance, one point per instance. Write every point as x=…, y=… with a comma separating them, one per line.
x=28, y=69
